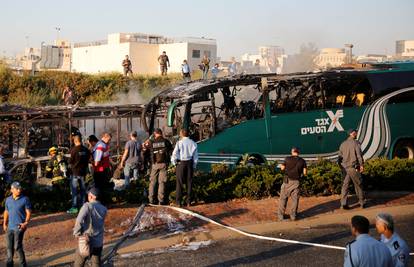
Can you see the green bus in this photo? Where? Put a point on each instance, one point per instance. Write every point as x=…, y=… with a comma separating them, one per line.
x=263, y=116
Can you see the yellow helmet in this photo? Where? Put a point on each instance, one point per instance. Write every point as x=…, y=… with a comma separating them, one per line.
x=53, y=149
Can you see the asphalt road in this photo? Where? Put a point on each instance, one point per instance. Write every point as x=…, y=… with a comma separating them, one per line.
x=252, y=252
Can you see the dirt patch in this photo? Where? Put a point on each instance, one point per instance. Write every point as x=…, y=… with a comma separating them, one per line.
x=52, y=233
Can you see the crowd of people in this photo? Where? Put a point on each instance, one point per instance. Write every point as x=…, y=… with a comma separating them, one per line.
x=89, y=204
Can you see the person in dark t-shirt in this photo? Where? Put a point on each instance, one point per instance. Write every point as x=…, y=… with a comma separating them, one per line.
x=79, y=160
x=294, y=167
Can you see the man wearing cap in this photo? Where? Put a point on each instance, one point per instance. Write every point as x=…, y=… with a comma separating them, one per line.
x=15, y=221
x=400, y=252
x=131, y=158
x=185, y=157
x=352, y=163
x=90, y=221
x=160, y=157
x=365, y=250
x=294, y=167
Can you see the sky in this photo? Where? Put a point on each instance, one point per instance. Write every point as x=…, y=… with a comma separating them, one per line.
x=239, y=26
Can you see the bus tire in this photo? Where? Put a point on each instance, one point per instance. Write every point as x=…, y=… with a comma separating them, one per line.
x=404, y=149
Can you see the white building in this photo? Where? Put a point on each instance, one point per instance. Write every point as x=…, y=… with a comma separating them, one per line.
x=372, y=58
x=57, y=56
x=270, y=57
x=28, y=59
x=330, y=58
x=143, y=51
x=404, y=48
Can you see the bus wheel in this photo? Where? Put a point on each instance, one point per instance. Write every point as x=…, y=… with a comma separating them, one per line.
x=404, y=149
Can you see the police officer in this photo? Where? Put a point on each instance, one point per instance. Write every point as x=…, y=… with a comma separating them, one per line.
x=352, y=164
x=160, y=157
x=365, y=250
x=400, y=252
x=185, y=156
x=294, y=167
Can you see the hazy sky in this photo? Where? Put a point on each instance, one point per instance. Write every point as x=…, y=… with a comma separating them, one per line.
x=239, y=26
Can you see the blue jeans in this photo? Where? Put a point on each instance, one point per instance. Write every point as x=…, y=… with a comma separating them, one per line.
x=127, y=172
x=74, y=181
x=14, y=242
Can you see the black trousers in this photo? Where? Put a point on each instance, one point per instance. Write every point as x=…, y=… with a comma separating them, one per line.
x=101, y=181
x=14, y=242
x=184, y=172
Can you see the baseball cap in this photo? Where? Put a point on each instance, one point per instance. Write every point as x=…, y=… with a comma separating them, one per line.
x=16, y=185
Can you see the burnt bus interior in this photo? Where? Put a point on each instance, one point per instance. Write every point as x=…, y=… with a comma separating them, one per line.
x=206, y=108
x=28, y=133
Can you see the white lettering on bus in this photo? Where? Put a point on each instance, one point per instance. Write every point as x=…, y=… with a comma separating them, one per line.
x=321, y=124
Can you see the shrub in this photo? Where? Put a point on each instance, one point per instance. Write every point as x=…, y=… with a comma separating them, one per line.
x=46, y=87
x=253, y=182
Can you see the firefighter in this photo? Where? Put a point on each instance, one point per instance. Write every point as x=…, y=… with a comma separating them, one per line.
x=57, y=166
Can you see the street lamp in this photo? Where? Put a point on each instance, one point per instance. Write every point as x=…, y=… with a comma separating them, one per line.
x=350, y=46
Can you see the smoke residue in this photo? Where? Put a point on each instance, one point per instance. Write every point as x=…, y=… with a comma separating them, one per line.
x=133, y=96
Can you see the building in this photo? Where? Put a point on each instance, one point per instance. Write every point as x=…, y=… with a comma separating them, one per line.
x=372, y=58
x=57, y=56
x=143, y=51
x=331, y=58
x=270, y=58
x=404, y=48
x=28, y=59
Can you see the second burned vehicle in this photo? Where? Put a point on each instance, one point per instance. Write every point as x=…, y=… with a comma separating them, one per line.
x=264, y=115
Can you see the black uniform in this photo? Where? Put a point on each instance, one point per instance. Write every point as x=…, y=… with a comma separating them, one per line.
x=160, y=156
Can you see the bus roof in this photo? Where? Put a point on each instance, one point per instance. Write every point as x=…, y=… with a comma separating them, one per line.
x=381, y=77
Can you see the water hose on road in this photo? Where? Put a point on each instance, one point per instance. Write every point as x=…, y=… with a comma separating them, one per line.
x=201, y=217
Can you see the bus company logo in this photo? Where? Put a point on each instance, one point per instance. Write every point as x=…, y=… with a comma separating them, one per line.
x=325, y=125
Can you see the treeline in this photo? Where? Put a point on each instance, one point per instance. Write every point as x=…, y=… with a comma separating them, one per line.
x=46, y=87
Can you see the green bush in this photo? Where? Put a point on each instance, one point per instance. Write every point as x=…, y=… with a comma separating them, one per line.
x=395, y=174
x=46, y=87
x=253, y=182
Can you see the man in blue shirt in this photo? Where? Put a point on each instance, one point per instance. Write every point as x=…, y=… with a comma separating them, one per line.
x=16, y=218
x=185, y=156
x=400, y=252
x=365, y=251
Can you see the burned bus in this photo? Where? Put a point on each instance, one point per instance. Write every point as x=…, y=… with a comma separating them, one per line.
x=263, y=116
x=28, y=132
